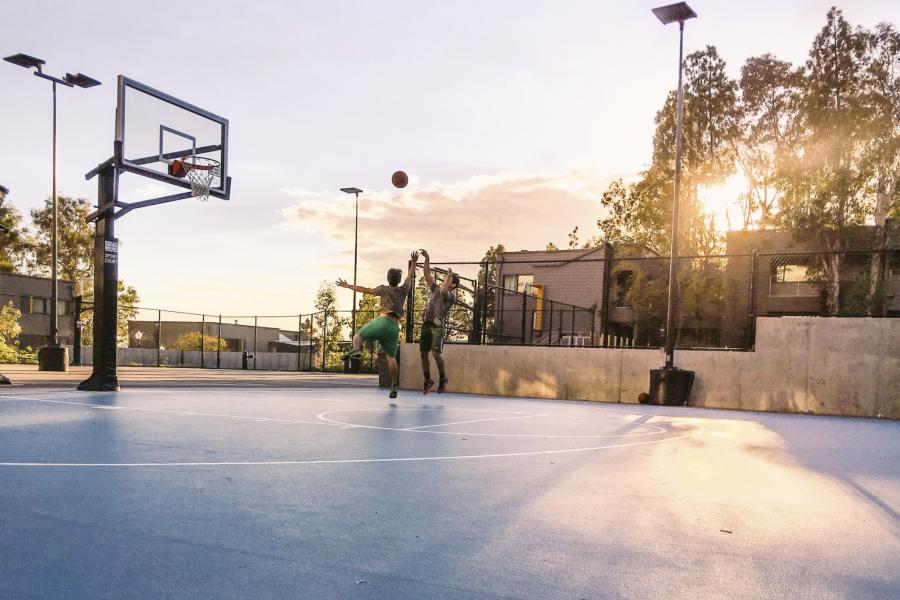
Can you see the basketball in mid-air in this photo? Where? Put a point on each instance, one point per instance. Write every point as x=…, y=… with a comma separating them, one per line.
x=399, y=179
x=177, y=169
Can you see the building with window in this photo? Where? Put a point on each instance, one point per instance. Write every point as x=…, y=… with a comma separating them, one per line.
x=795, y=283
x=31, y=295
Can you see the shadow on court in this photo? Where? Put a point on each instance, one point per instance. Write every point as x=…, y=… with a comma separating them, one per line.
x=301, y=489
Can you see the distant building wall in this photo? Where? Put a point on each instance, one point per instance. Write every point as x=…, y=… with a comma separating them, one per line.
x=31, y=295
x=846, y=366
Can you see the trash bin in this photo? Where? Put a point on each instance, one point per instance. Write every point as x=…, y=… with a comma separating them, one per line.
x=670, y=386
x=245, y=360
x=351, y=366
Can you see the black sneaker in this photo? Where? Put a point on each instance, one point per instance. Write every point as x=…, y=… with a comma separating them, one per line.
x=429, y=384
x=393, y=393
x=352, y=355
x=442, y=387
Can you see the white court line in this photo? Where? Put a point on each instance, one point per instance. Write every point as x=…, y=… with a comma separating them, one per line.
x=471, y=421
x=171, y=412
x=323, y=420
x=346, y=460
x=323, y=416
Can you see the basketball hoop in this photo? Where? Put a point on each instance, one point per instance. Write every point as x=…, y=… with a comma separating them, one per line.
x=202, y=172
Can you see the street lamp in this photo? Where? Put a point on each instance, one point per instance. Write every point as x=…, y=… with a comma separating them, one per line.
x=669, y=377
x=55, y=359
x=356, y=192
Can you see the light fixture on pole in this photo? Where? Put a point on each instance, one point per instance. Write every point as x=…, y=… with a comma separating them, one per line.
x=672, y=386
x=55, y=358
x=356, y=192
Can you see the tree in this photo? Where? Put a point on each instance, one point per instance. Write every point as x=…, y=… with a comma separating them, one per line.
x=769, y=92
x=328, y=325
x=128, y=310
x=192, y=340
x=573, y=239
x=882, y=97
x=488, y=284
x=823, y=178
x=75, y=239
x=640, y=213
x=551, y=247
x=14, y=244
x=9, y=333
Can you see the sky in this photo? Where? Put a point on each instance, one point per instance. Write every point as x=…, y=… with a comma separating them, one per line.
x=510, y=117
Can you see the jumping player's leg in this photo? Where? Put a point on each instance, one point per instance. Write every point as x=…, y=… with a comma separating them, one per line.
x=373, y=330
x=387, y=332
x=425, y=340
x=437, y=349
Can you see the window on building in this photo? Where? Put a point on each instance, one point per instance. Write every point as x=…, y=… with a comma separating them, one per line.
x=524, y=284
x=793, y=279
x=518, y=283
x=40, y=306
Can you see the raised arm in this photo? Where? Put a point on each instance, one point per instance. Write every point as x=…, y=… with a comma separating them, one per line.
x=429, y=278
x=448, y=282
x=411, y=270
x=358, y=288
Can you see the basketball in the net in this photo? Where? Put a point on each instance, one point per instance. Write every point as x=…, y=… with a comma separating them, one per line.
x=399, y=179
x=176, y=169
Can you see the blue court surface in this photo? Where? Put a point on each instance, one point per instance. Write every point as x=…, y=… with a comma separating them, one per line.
x=215, y=489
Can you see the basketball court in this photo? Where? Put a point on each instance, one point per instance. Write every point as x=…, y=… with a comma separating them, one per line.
x=288, y=486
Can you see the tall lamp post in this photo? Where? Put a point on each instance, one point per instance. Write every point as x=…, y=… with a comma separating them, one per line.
x=356, y=192
x=671, y=385
x=53, y=357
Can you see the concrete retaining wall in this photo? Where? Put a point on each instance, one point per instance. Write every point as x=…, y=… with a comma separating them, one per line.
x=801, y=364
x=147, y=357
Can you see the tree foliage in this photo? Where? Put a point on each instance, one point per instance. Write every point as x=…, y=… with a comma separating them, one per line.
x=75, y=239
x=193, y=339
x=14, y=244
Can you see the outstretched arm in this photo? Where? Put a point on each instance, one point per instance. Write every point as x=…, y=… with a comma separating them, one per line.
x=358, y=288
x=429, y=279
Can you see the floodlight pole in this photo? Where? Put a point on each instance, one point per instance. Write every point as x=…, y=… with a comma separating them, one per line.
x=53, y=360
x=673, y=255
x=356, y=192
x=669, y=384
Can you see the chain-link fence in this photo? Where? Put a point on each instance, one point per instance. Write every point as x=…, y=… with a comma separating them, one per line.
x=584, y=298
x=600, y=299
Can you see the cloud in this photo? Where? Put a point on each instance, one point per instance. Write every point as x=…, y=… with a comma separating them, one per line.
x=455, y=221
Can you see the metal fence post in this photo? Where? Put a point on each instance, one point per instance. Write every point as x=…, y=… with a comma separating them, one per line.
x=219, y=345
x=202, y=337
x=593, y=324
x=524, y=308
x=255, y=340
x=158, y=337
x=299, y=339
x=324, y=337
x=751, y=302
x=531, y=337
x=550, y=328
x=572, y=332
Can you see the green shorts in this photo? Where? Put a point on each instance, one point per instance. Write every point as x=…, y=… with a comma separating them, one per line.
x=383, y=330
x=432, y=337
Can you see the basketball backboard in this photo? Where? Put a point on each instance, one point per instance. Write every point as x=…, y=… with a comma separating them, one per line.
x=155, y=129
